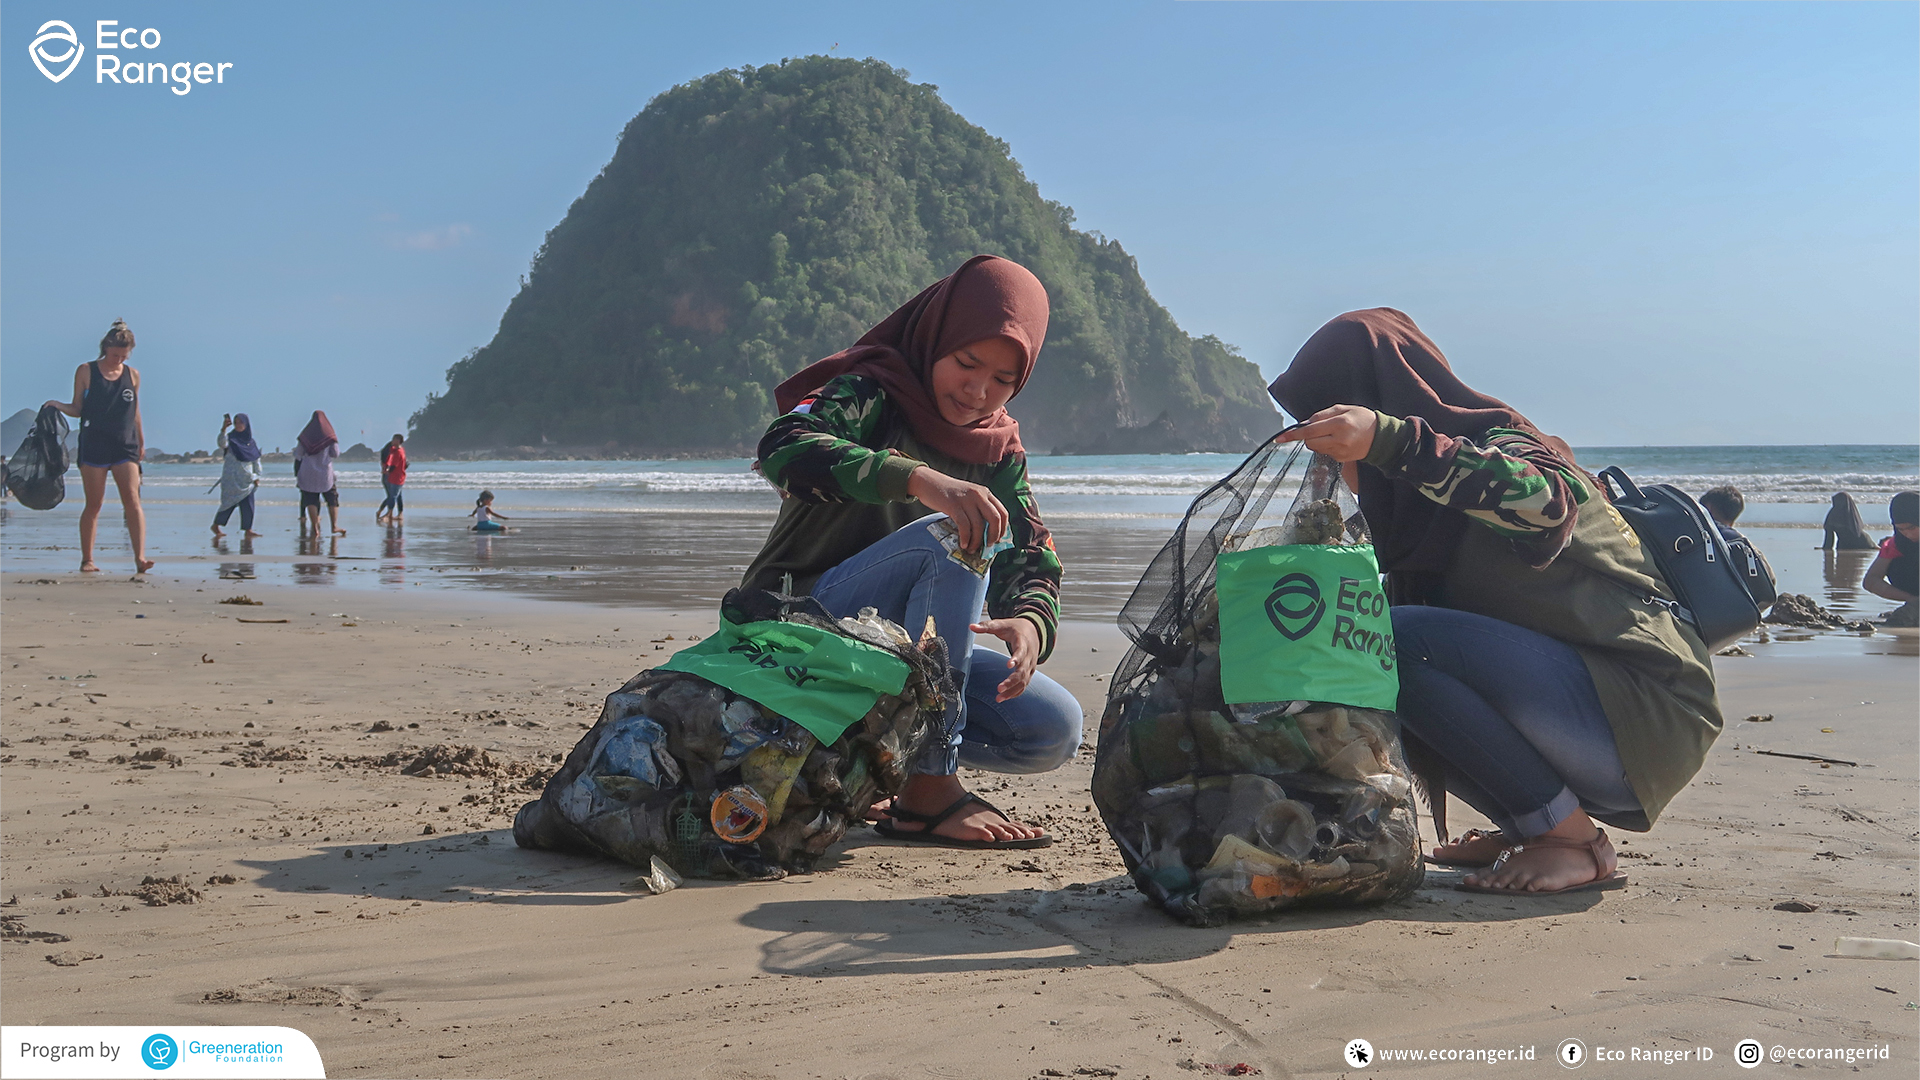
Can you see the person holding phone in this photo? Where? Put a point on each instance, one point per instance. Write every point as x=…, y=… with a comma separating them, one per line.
x=239, y=474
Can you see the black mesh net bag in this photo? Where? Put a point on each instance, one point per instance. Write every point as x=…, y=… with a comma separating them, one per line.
x=37, y=471
x=1222, y=810
x=682, y=777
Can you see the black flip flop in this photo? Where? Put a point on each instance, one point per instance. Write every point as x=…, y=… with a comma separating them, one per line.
x=929, y=822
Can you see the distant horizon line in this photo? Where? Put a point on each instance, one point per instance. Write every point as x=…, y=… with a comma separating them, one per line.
x=1727, y=446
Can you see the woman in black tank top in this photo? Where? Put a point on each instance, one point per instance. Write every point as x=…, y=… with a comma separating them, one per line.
x=106, y=399
x=107, y=412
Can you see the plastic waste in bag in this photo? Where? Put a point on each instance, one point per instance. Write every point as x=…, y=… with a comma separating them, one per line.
x=979, y=562
x=1222, y=809
x=659, y=877
x=739, y=814
x=36, y=473
x=717, y=784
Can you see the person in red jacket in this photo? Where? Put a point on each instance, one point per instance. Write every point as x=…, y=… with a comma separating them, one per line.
x=393, y=474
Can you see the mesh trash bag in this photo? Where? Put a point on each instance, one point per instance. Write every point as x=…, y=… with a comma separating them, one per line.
x=683, y=770
x=37, y=471
x=1221, y=810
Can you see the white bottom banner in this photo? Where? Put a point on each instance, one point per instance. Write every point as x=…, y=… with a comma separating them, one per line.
x=188, y=1053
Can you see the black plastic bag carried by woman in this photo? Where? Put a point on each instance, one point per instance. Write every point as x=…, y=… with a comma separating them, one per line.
x=37, y=471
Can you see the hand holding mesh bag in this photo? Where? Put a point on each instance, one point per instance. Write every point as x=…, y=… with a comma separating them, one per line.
x=36, y=473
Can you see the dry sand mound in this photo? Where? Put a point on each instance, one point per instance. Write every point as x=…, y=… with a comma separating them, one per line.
x=159, y=891
x=269, y=992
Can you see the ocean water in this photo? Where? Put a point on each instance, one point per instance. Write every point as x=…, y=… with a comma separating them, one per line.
x=679, y=533
x=1784, y=485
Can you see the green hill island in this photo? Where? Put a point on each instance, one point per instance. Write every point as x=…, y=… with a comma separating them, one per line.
x=753, y=221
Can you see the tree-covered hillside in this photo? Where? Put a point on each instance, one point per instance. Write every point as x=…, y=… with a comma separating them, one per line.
x=753, y=221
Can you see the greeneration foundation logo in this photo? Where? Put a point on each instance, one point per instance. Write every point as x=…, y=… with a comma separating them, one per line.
x=121, y=56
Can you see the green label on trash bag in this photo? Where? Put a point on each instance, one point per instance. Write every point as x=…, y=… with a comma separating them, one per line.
x=1305, y=622
x=821, y=680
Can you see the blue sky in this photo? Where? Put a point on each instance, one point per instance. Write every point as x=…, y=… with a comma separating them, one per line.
x=1640, y=223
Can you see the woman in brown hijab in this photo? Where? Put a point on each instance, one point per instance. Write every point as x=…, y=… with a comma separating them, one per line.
x=905, y=490
x=1540, y=656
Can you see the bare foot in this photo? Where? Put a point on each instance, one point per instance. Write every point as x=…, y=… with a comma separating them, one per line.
x=144, y=565
x=251, y=533
x=89, y=568
x=1536, y=867
x=217, y=532
x=878, y=811
x=339, y=532
x=925, y=794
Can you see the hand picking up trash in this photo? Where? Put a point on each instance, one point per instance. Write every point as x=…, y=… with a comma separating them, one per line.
x=751, y=753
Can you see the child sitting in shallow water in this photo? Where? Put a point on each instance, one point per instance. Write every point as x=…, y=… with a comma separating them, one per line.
x=483, y=513
x=1893, y=573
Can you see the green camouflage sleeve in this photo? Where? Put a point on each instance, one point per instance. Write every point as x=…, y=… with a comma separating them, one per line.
x=1507, y=480
x=1025, y=579
x=818, y=452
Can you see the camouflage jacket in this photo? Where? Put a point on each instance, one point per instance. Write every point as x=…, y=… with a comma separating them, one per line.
x=1556, y=558
x=843, y=456
x=1508, y=481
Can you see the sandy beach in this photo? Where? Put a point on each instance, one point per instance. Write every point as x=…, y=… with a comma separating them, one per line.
x=152, y=732
x=418, y=381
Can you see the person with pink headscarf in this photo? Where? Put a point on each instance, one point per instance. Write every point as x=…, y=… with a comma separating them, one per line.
x=313, y=473
x=906, y=491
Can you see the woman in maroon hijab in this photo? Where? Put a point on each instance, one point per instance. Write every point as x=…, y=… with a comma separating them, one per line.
x=905, y=490
x=1541, y=657
x=313, y=474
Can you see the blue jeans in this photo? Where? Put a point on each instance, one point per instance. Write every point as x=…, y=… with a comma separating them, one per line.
x=908, y=578
x=393, y=502
x=1514, y=715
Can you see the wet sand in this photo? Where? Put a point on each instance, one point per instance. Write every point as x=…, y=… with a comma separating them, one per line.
x=685, y=556
x=392, y=919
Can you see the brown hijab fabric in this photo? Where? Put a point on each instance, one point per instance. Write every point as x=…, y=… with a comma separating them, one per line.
x=1378, y=358
x=317, y=434
x=987, y=297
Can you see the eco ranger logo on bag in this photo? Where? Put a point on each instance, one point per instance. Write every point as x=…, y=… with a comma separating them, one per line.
x=818, y=678
x=1295, y=606
x=1359, y=598
x=763, y=656
x=1305, y=622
